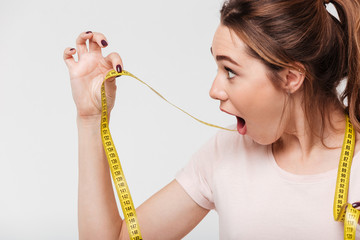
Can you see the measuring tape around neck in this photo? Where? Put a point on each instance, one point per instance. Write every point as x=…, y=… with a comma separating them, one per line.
x=344, y=211
x=117, y=173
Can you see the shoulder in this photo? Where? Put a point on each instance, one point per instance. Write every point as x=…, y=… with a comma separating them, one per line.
x=222, y=159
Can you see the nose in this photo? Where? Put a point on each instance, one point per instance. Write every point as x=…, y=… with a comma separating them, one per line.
x=217, y=90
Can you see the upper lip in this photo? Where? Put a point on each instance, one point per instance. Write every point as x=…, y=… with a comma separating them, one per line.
x=230, y=113
x=226, y=111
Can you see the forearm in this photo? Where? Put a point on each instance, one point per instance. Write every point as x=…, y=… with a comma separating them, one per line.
x=98, y=215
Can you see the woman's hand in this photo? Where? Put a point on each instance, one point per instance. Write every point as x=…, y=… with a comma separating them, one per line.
x=98, y=215
x=87, y=74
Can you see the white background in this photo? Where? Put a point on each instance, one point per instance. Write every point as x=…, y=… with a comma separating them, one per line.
x=166, y=43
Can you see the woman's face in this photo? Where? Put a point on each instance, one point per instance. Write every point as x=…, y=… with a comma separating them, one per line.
x=244, y=90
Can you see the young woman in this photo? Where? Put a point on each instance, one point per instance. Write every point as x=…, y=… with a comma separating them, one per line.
x=279, y=65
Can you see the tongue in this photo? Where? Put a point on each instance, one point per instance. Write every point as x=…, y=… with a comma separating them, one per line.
x=241, y=127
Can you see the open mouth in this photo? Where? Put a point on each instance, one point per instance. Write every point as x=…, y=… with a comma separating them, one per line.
x=241, y=125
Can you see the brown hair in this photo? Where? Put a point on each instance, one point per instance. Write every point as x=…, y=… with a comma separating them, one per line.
x=282, y=33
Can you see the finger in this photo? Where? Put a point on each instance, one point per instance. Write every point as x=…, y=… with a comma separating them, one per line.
x=68, y=57
x=115, y=61
x=97, y=42
x=81, y=42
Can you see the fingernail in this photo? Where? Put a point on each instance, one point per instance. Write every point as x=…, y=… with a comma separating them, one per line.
x=88, y=32
x=118, y=68
x=104, y=43
x=71, y=49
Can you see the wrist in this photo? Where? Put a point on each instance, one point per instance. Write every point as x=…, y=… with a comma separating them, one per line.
x=88, y=120
x=93, y=120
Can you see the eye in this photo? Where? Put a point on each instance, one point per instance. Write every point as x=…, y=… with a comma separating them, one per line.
x=230, y=72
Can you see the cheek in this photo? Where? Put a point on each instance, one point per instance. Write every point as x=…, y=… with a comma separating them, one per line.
x=260, y=98
x=269, y=103
x=264, y=114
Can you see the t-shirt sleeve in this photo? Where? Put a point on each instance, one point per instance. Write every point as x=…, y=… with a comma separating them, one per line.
x=196, y=176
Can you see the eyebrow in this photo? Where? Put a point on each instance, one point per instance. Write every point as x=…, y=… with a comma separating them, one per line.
x=223, y=57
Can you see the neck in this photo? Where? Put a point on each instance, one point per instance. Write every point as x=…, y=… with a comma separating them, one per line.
x=303, y=147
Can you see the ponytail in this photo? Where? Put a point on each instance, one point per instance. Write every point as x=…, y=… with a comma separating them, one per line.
x=349, y=15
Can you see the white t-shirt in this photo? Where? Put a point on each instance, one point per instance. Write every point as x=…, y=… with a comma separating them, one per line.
x=256, y=199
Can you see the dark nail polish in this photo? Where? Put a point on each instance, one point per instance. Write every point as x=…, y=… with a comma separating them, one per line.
x=118, y=68
x=88, y=32
x=104, y=43
x=72, y=49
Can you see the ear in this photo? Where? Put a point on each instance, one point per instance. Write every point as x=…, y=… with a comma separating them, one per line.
x=293, y=79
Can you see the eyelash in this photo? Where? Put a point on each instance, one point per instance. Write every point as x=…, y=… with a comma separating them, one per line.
x=229, y=71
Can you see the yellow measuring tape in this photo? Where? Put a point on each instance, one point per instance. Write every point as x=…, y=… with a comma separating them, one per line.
x=344, y=211
x=117, y=173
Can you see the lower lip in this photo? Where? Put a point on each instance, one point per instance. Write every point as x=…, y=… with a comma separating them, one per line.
x=241, y=126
